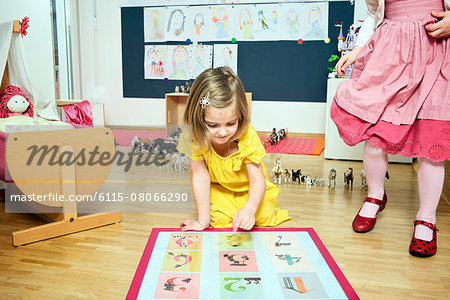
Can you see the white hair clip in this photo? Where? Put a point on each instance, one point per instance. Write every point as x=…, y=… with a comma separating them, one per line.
x=205, y=101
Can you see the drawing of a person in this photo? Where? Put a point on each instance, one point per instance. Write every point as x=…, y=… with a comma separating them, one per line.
x=262, y=20
x=220, y=18
x=151, y=55
x=245, y=23
x=199, y=21
x=292, y=22
x=176, y=21
x=314, y=20
x=275, y=17
x=161, y=55
x=226, y=53
x=180, y=55
x=155, y=23
x=198, y=61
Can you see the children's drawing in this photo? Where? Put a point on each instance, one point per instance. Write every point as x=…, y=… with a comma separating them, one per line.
x=316, y=21
x=176, y=23
x=291, y=14
x=154, y=60
x=200, y=59
x=245, y=24
x=198, y=23
x=153, y=24
x=225, y=55
x=266, y=17
x=262, y=20
x=223, y=21
x=178, y=62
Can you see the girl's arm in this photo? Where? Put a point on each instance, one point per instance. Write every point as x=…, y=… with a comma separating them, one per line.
x=201, y=187
x=245, y=217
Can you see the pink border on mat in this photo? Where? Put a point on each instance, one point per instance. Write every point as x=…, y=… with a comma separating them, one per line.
x=143, y=263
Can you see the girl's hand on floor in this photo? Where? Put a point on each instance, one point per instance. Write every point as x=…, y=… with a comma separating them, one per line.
x=244, y=218
x=440, y=28
x=191, y=225
x=347, y=60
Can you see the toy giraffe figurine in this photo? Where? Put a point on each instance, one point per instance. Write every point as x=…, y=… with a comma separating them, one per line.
x=277, y=170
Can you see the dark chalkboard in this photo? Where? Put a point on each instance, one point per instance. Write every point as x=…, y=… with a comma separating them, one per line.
x=271, y=70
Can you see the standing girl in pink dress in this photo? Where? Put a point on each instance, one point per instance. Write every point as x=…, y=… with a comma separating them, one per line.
x=398, y=102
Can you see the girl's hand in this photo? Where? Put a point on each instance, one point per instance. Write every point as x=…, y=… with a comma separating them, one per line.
x=347, y=60
x=191, y=225
x=441, y=28
x=244, y=218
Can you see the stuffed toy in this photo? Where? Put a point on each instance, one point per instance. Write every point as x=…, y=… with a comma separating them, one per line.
x=14, y=102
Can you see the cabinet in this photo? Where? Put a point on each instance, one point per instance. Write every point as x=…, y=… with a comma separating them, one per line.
x=175, y=106
x=335, y=148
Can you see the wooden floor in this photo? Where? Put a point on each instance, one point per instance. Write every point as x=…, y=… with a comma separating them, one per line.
x=100, y=263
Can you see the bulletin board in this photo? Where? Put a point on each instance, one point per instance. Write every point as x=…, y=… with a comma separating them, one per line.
x=271, y=70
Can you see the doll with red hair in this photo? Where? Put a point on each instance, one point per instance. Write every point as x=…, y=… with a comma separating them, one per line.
x=14, y=102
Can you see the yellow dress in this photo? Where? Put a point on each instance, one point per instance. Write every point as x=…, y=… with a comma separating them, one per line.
x=230, y=183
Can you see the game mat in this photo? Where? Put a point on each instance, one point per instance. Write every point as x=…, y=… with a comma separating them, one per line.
x=264, y=263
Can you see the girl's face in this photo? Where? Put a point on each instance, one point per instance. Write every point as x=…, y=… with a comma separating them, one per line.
x=220, y=12
x=222, y=124
x=315, y=13
x=177, y=19
x=180, y=55
x=245, y=16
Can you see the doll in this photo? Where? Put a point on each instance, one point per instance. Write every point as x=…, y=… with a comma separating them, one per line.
x=14, y=102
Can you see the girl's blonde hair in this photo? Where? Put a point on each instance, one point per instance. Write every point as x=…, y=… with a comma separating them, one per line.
x=224, y=89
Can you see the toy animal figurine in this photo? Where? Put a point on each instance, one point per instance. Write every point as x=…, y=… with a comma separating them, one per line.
x=363, y=179
x=332, y=178
x=315, y=182
x=177, y=89
x=296, y=175
x=287, y=176
x=138, y=145
x=281, y=134
x=183, y=89
x=274, y=137
x=308, y=180
x=277, y=170
x=321, y=182
x=162, y=147
x=303, y=179
x=179, y=162
x=348, y=178
x=175, y=137
x=188, y=86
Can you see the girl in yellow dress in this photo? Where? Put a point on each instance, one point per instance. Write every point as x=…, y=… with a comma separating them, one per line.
x=229, y=180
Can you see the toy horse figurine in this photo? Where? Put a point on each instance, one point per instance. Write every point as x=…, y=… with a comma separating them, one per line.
x=277, y=170
x=363, y=179
x=296, y=175
x=274, y=137
x=287, y=176
x=332, y=178
x=348, y=178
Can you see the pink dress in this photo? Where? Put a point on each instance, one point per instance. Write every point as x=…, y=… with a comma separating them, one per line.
x=398, y=97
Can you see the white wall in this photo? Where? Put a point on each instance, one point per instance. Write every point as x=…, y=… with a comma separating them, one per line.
x=38, y=43
x=101, y=65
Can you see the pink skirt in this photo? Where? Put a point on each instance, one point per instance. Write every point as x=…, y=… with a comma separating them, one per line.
x=398, y=97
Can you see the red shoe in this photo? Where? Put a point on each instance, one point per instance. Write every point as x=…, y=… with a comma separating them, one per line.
x=364, y=224
x=420, y=247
